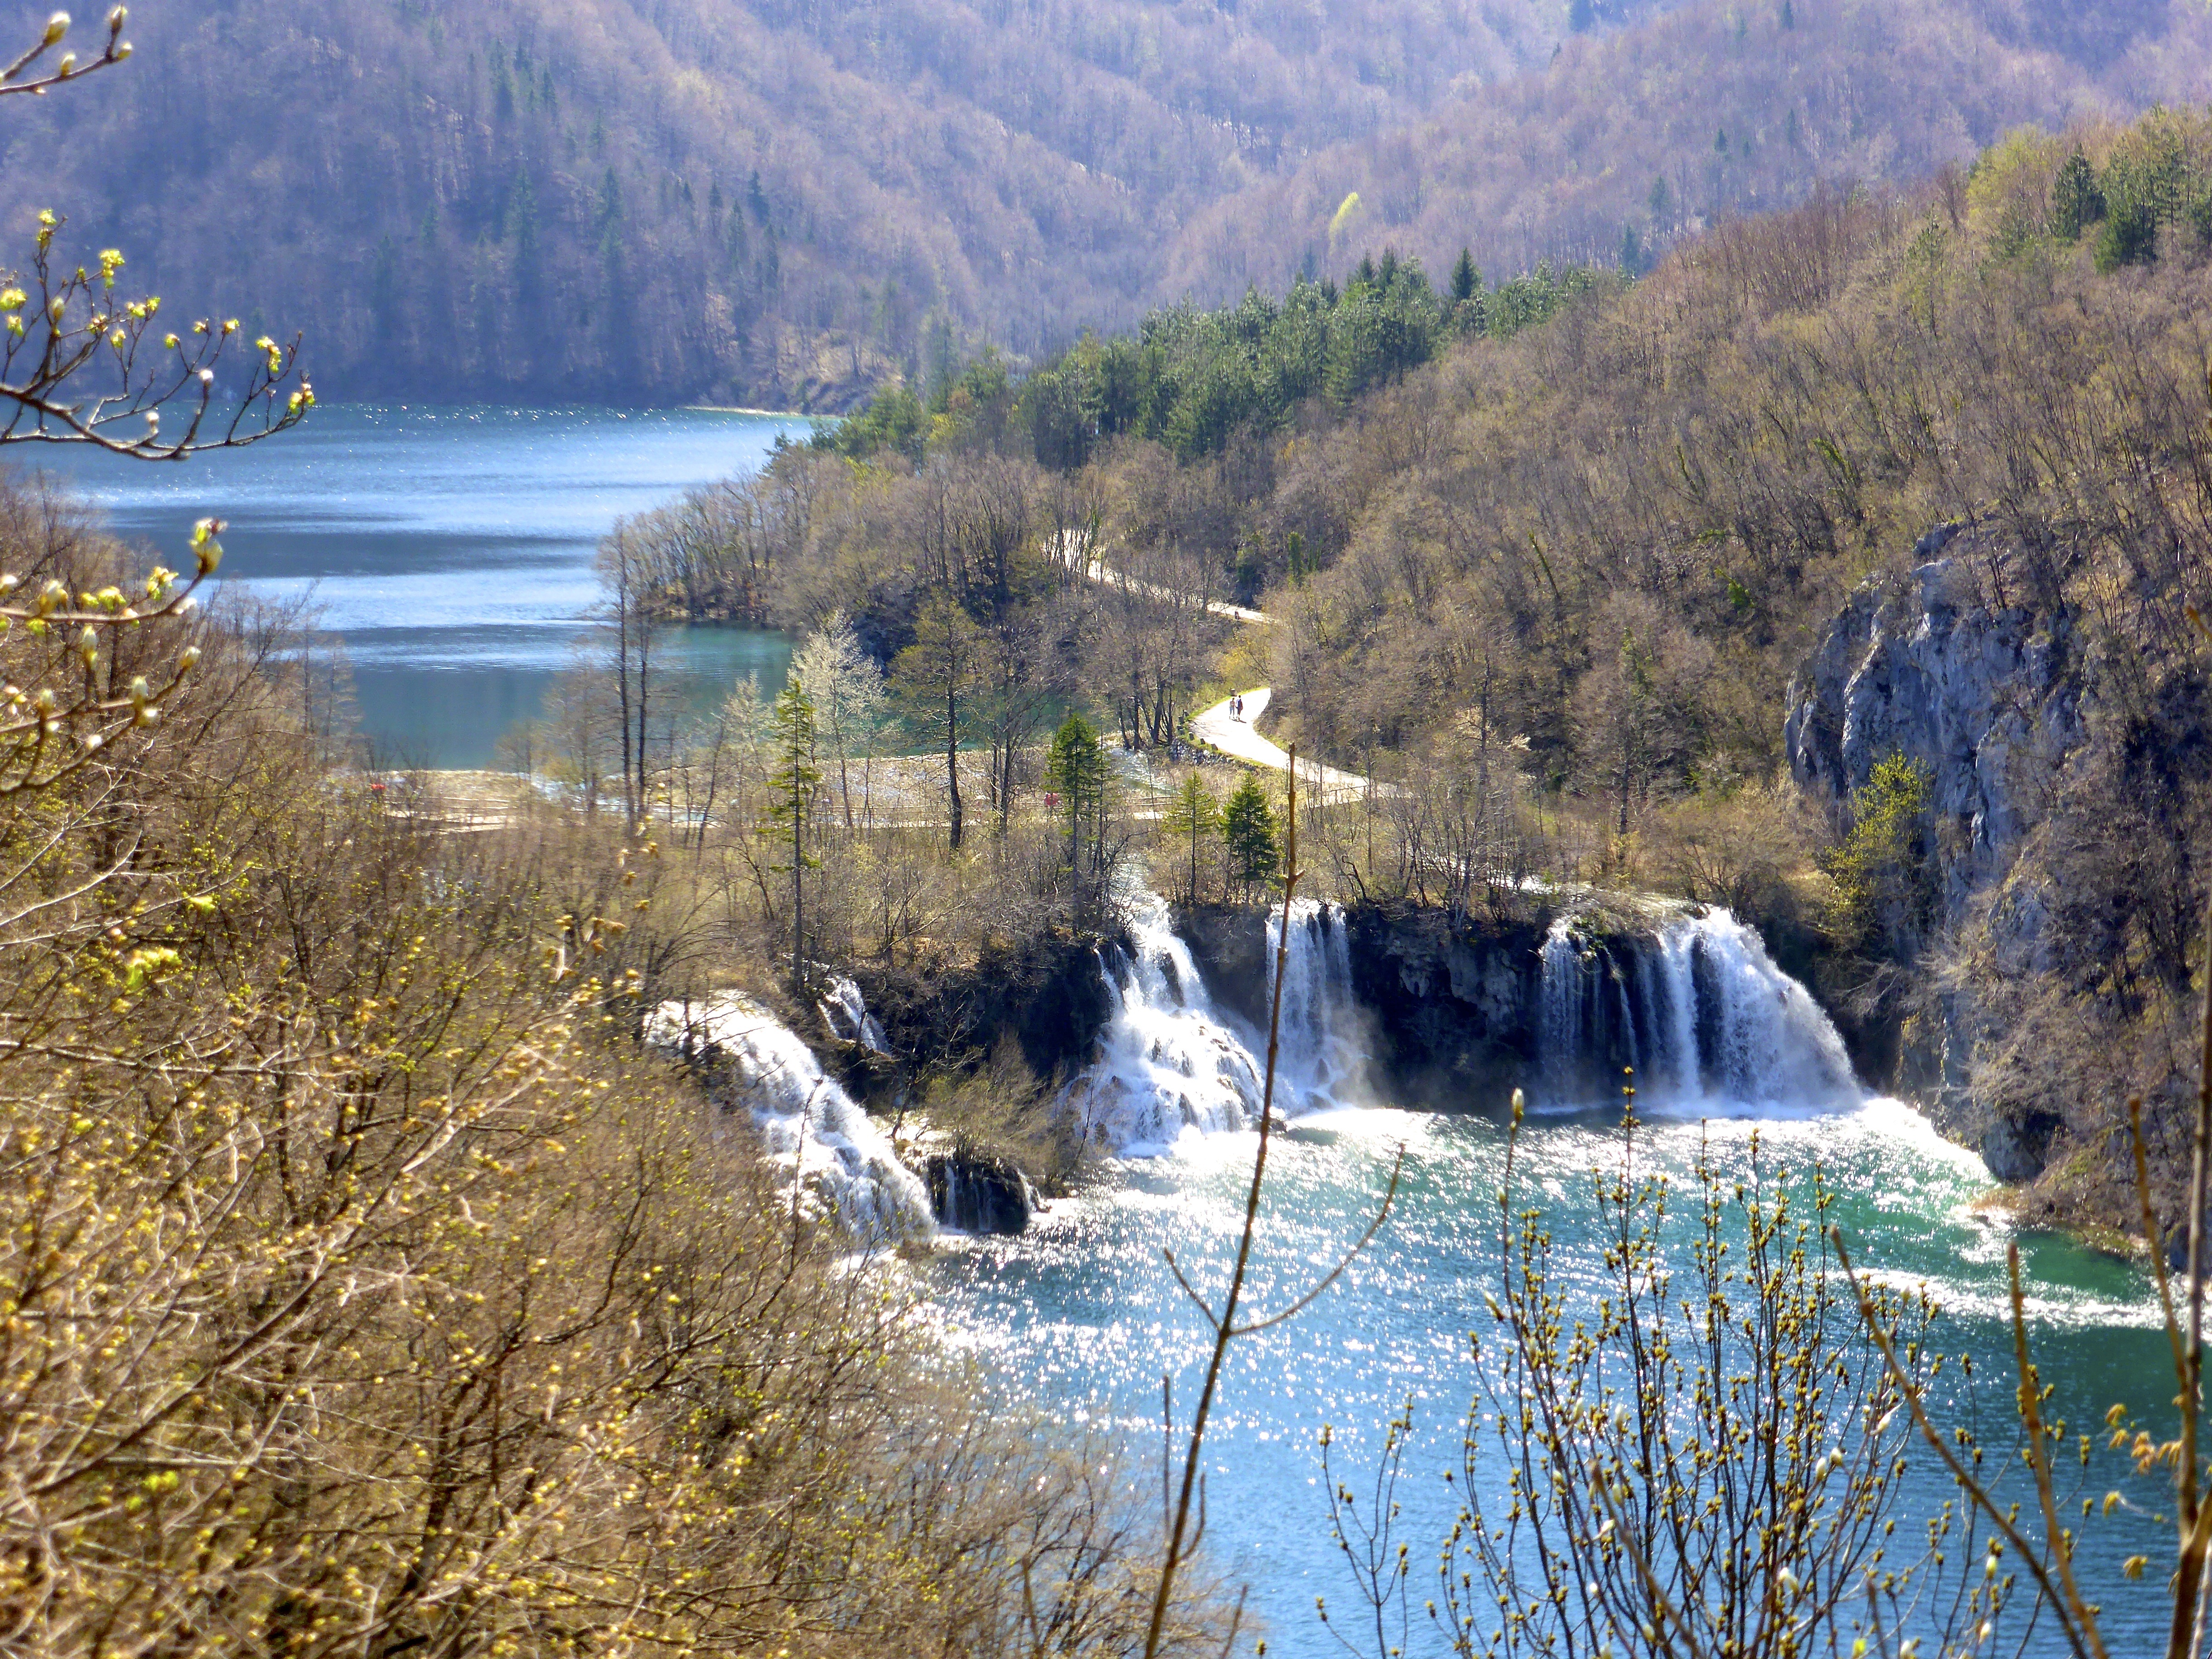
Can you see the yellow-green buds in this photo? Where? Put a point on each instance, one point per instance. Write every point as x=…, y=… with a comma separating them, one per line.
x=67, y=67
x=57, y=27
x=170, y=341
x=116, y=19
x=188, y=659
x=122, y=50
x=204, y=544
x=11, y=299
x=52, y=598
x=88, y=646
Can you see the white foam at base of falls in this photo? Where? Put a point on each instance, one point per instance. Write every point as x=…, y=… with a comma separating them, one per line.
x=1702, y=1016
x=833, y=1162
x=1172, y=1064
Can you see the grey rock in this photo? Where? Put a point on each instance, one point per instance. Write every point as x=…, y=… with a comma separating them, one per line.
x=976, y=1194
x=2016, y=1150
x=1992, y=700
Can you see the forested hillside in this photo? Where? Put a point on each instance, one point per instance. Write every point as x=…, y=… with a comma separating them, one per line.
x=701, y=197
x=1629, y=140
x=1585, y=534
x=776, y=203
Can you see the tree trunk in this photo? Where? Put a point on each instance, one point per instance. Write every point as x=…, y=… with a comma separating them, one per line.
x=644, y=664
x=952, y=757
x=622, y=682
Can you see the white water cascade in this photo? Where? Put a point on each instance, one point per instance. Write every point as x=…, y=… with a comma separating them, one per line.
x=845, y=1010
x=1696, y=1015
x=833, y=1162
x=1171, y=1063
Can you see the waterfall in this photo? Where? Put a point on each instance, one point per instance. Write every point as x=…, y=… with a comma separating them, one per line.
x=1323, y=1053
x=1171, y=1063
x=845, y=1010
x=833, y=1162
x=1697, y=1017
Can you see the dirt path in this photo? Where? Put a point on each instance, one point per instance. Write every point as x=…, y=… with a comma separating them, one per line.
x=1223, y=730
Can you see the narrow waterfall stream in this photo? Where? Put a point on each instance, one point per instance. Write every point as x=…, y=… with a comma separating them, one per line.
x=834, y=1161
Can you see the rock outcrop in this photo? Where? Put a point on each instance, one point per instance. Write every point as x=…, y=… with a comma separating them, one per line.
x=1450, y=1005
x=977, y=1194
x=1993, y=701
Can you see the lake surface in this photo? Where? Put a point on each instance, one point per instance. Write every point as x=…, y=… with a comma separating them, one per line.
x=1082, y=1309
x=450, y=550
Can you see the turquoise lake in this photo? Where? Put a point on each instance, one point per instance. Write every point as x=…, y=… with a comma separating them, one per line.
x=450, y=550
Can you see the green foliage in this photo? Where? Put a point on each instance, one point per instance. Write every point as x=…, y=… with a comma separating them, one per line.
x=794, y=782
x=1466, y=279
x=1192, y=818
x=891, y=420
x=2076, y=202
x=1527, y=301
x=1248, y=830
x=1883, y=874
x=1076, y=766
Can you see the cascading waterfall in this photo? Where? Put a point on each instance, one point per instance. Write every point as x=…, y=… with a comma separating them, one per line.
x=1171, y=1064
x=836, y=1162
x=845, y=1010
x=1697, y=1017
x=1167, y=1062
x=1323, y=1054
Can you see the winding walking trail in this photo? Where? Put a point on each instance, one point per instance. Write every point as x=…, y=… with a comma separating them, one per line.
x=1235, y=737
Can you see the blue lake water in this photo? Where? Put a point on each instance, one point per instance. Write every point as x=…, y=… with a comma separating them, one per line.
x=450, y=549
x=1083, y=1309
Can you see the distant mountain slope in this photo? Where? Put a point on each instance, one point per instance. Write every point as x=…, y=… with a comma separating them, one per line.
x=703, y=198
x=785, y=201
x=1722, y=108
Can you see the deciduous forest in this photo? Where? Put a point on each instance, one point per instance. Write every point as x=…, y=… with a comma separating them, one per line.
x=706, y=201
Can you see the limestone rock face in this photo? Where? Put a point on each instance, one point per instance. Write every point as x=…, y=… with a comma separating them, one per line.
x=1990, y=699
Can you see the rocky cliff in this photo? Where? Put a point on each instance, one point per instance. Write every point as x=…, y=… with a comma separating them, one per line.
x=2054, y=980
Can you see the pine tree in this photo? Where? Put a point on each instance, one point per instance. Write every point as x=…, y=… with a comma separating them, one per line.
x=793, y=783
x=2076, y=202
x=1076, y=766
x=1192, y=814
x=1248, y=830
x=1466, y=279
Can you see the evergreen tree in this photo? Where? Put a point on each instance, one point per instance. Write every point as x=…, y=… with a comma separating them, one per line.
x=1193, y=815
x=1076, y=766
x=1466, y=279
x=793, y=783
x=1248, y=830
x=2075, y=201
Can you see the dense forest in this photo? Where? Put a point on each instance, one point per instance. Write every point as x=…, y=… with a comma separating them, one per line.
x=786, y=206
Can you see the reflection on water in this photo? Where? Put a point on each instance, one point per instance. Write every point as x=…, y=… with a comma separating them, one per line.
x=451, y=549
x=1083, y=1309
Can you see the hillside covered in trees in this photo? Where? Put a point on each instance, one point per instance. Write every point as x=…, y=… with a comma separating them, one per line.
x=774, y=204
x=1588, y=535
